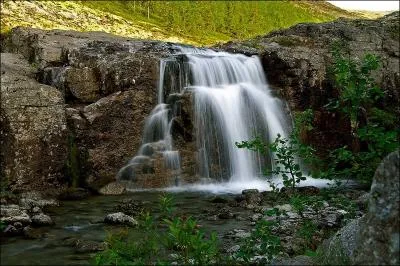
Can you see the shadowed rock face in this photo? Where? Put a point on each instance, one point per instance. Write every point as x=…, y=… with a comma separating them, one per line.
x=99, y=90
x=296, y=62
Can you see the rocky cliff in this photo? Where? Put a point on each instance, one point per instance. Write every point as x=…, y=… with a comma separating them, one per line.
x=73, y=105
x=297, y=60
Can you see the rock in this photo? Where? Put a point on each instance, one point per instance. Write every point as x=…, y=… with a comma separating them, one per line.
x=74, y=194
x=298, y=260
x=330, y=220
x=97, y=86
x=131, y=207
x=212, y=218
x=284, y=207
x=33, y=233
x=379, y=240
x=11, y=214
x=219, y=199
x=256, y=217
x=114, y=188
x=86, y=246
x=10, y=230
x=296, y=63
x=31, y=203
x=83, y=246
x=362, y=201
x=33, y=123
x=36, y=209
x=252, y=196
x=42, y=220
x=239, y=233
x=10, y=210
x=120, y=218
x=18, y=225
x=292, y=215
x=225, y=213
x=233, y=249
x=339, y=249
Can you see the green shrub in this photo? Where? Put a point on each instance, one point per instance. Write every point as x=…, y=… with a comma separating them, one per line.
x=183, y=237
x=260, y=243
x=285, y=152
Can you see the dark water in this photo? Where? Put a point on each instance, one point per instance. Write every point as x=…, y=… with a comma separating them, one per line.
x=82, y=220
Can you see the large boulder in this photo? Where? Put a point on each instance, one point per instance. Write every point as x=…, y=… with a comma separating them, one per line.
x=379, y=241
x=33, y=128
x=374, y=238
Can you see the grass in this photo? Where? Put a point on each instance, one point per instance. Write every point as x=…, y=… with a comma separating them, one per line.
x=193, y=22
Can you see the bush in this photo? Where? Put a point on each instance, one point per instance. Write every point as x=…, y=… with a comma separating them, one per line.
x=284, y=153
x=183, y=238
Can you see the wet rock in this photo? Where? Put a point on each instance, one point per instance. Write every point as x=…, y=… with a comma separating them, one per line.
x=120, y=218
x=30, y=200
x=10, y=230
x=13, y=213
x=252, y=196
x=83, y=246
x=219, y=199
x=225, y=213
x=86, y=246
x=114, y=188
x=29, y=204
x=36, y=210
x=42, y=220
x=212, y=218
x=131, y=207
x=30, y=232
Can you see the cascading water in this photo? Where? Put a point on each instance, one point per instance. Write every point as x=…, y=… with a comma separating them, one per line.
x=232, y=102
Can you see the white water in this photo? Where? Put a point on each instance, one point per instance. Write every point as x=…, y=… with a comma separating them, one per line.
x=232, y=103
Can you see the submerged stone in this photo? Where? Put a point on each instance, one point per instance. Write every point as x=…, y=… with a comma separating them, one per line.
x=120, y=218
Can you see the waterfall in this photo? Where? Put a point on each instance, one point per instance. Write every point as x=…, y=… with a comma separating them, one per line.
x=231, y=102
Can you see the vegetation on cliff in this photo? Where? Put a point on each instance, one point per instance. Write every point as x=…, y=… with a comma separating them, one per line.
x=374, y=128
x=196, y=22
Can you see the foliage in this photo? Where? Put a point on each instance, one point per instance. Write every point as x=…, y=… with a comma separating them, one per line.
x=166, y=204
x=261, y=242
x=120, y=251
x=3, y=225
x=374, y=130
x=307, y=231
x=201, y=22
x=285, y=151
x=183, y=237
